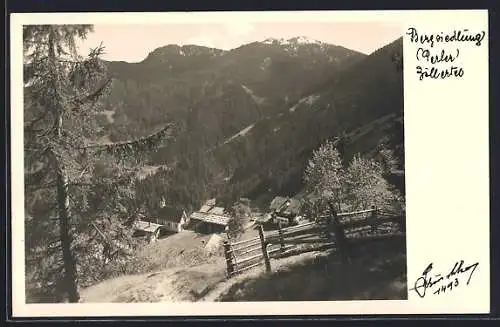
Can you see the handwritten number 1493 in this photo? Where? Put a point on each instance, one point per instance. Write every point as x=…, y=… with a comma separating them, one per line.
x=439, y=283
x=449, y=287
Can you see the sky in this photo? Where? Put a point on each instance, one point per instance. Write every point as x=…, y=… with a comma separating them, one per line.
x=132, y=43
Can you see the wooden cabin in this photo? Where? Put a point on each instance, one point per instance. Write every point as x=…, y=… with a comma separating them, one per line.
x=209, y=219
x=208, y=223
x=172, y=219
x=151, y=231
x=168, y=220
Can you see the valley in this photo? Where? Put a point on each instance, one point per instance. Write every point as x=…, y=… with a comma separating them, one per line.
x=190, y=125
x=255, y=113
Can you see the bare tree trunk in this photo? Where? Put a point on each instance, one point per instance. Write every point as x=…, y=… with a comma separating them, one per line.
x=70, y=283
x=70, y=276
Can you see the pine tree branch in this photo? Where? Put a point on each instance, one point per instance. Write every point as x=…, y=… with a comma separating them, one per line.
x=91, y=96
x=140, y=144
x=37, y=187
x=62, y=60
x=124, y=143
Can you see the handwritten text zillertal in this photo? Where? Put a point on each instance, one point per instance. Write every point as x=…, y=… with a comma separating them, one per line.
x=440, y=63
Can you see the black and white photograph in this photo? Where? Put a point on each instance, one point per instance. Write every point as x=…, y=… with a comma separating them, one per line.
x=236, y=164
x=214, y=161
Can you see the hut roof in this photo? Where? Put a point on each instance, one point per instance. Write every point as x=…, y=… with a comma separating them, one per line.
x=211, y=218
x=210, y=202
x=146, y=226
x=170, y=214
x=217, y=211
x=205, y=208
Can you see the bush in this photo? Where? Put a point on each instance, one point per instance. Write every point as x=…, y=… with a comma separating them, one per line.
x=240, y=213
x=356, y=187
x=366, y=186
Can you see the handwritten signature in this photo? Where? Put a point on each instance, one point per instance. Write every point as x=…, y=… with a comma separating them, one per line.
x=438, y=283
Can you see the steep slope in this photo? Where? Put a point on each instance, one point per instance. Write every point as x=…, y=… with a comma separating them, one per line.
x=173, y=81
x=252, y=116
x=379, y=273
x=364, y=101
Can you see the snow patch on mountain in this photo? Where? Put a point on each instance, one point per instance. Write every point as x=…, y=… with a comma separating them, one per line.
x=307, y=100
x=240, y=133
x=266, y=63
x=296, y=44
x=304, y=40
x=293, y=40
x=257, y=99
x=144, y=171
x=312, y=98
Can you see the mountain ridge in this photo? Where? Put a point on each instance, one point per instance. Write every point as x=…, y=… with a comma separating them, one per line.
x=241, y=110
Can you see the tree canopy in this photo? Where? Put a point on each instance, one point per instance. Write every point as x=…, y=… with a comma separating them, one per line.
x=358, y=186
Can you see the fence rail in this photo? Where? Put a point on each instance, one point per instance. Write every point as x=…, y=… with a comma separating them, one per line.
x=352, y=213
x=326, y=232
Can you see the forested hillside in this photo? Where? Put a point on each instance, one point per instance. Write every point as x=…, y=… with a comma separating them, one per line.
x=253, y=115
x=217, y=96
x=189, y=82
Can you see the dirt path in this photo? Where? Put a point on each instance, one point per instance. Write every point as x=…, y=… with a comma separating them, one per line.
x=309, y=276
x=133, y=288
x=171, y=285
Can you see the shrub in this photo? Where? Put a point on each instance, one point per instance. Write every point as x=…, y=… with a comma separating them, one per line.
x=356, y=187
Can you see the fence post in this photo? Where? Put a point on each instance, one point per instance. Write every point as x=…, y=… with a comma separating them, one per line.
x=328, y=226
x=373, y=219
x=282, y=239
x=229, y=260
x=340, y=238
x=264, y=248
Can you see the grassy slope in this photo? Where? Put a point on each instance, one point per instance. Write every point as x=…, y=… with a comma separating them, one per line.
x=320, y=277
x=184, y=249
x=174, y=268
x=310, y=276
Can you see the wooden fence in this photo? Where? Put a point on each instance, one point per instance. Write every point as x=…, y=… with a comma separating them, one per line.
x=334, y=231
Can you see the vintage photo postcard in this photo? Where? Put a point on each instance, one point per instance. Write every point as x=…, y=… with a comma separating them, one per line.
x=250, y=163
